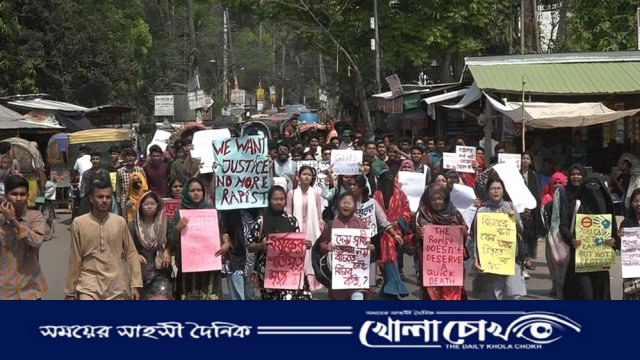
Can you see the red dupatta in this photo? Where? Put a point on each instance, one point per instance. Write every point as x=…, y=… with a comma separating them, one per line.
x=398, y=209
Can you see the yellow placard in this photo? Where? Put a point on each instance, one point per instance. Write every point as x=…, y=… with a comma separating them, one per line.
x=497, y=242
x=593, y=254
x=113, y=177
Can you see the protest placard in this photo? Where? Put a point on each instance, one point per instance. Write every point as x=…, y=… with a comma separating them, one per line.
x=630, y=253
x=442, y=256
x=160, y=138
x=200, y=240
x=114, y=178
x=242, y=173
x=350, y=259
x=520, y=195
x=367, y=213
x=593, y=254
x=413, y=185
x=170, y=207
x=449, y=161
x=497, y=243
x=463, y=199
x=319, y=166
x=203, y=147
x=510, y=158
x=285, y=261
x=466, y=158
x=346, y=162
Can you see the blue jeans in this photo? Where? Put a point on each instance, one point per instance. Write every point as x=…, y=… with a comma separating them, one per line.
x=239, y=287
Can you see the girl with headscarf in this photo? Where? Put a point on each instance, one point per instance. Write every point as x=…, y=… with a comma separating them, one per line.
x=346, y=218
x=274, y=220
x=631, y=286
x=531, y=219
x=594, y=200
x=137, y=188
x=554, y=204
x=436, y=209
x=395, y=204
x=577, y=173
x=149, y=232
x=372, y=214
x=452, y=179
x=198, y=285
x=492, y=286
x=367, y=171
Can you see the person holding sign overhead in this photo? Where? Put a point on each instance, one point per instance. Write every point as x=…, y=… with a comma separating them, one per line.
x=502, y=247
x=205, y=285
x=274, y=221
x=593, y=198
x=436, y=209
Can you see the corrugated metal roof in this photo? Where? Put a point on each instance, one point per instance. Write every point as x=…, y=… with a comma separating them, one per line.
x=45, y=104
x=619, y=56
x=609, y=77
x=10, y=119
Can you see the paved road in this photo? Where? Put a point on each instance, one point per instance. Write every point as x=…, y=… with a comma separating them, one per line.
x=54, y=257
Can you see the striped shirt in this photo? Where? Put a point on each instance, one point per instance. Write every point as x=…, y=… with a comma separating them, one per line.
x=20, y=275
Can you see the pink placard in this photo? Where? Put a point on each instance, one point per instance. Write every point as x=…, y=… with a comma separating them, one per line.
x=170, y=207
x=442, y=256
x=285, y=261
x=200, y=241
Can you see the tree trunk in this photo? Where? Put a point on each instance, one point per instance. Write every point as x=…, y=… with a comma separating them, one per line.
x=192, y=39
x=445, y=68
x=562, y=25
x=364, y=103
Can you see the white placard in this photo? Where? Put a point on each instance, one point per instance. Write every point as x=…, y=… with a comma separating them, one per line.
x=367, y=213
x=281, y=181
x=346, y=162
x=466, y=158
x=203, y=147
x=413, y=186
x=449, y=161
x=163, y=105
x=160, y=138
x=350, y=260
x=630, y=253
x=518, y=191
x=196, y=99
x=510, y=158
x=463, y=199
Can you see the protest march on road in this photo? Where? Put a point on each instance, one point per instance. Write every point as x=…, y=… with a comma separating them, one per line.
x=292, y=218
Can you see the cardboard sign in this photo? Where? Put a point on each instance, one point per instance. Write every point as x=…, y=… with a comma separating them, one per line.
x=200, y=241
x=346, y=162
x=593, y=254
x=497, y=243
x=442, y=256
x=285, y=261
x=350, y=259
x=242, y=172
x=466, y=158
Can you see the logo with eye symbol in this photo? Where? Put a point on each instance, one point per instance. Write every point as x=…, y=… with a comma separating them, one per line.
x=541, y=328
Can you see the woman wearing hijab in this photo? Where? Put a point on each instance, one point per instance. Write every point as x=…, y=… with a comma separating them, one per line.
x=630, y=286
x=531, y=219
x=452, y=179
x=198, y=285
x=437, y=209
x=137, y=187
x=492, y=286
x=594, y=199
x=407, y=165
x=274, y=221
x=367, y=171
x=395, y=204
x=554, y=203
x=305, y=204
x=149, y=232
x=346, y=218
x=577, y=173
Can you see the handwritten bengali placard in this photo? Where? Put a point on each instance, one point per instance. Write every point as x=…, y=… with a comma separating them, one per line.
x=367, y=213
x=497, y=243
x=515, y=159
x=170, y=207
x=285, y=261
x=242, y=172
x=200, y=241
x=630, y=253
x=593, y=254
x=350, y=260
x=442, y=256
x=346, y=162
x=319, y=166
x=466, y=158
